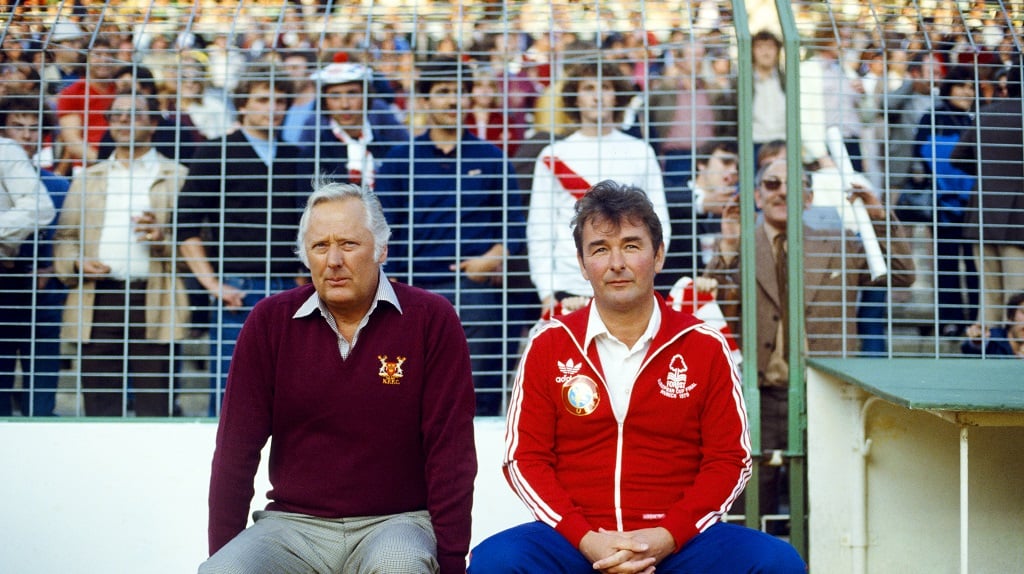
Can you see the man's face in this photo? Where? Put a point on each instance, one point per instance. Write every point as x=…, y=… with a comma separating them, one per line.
x=103, y=62
x=124, y=83
x=68, y=51
x=264, y=109
x=770, y=195
x=720, y=172
x=766, y=54
x=24, y=129
x=297, y=68
x=446, y=105
x=876, y=66
x=961, y=96
x=340, y=246
x=620, y=262
x=130, y=122
x=689, y=57
x=14, y=79
x=596, y=101
x=483, y=92
x=344, y=103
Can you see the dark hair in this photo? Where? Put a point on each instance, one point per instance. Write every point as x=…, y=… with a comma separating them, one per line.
x=99, y=39
x=442, y=70
x=308, y=55
x=27, y=104
x=615, y=202
x=956, y=75
x=766, y=36
x=709, y=147
x=262, y=73
x=606, y=71
x=142, y=76
x=1012, y=303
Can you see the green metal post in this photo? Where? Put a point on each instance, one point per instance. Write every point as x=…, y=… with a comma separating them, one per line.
x=797, y=451
x=745, y=98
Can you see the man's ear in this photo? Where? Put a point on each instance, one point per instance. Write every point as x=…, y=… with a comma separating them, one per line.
x=383, y=255
x=659, y=258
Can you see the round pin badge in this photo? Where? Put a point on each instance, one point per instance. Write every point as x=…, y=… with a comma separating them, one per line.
x=580, y=395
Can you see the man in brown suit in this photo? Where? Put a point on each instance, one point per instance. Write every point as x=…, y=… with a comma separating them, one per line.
x=834, y=268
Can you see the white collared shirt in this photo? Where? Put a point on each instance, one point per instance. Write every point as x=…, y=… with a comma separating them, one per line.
x=769, y=97
x=128, y=187
x=620, y=363
x=385, y=292
x=25, y=206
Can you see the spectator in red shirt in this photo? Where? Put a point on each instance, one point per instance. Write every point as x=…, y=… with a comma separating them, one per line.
x=81, y=107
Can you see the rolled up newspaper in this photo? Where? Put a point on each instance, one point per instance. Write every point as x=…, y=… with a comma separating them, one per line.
x=830, y=188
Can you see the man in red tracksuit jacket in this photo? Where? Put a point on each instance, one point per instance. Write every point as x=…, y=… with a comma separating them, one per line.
x=627, y=433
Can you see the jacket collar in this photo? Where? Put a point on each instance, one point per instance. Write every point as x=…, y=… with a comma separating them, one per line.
x=673, y=324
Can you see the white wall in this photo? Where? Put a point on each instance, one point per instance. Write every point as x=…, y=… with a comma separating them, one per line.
x=912, y=487
x=87, y=497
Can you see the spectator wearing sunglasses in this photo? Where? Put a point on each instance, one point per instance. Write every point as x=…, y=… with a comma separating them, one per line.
x=835, y=269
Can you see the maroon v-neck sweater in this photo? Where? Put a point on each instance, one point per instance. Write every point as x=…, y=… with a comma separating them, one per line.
x=350, y=438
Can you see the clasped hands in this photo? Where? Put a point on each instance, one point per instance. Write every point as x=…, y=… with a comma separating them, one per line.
x=632, y=552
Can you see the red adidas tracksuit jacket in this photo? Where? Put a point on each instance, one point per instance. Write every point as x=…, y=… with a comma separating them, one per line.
x=680, y=457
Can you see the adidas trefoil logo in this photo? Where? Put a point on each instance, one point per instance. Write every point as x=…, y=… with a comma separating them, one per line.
x=568, y=369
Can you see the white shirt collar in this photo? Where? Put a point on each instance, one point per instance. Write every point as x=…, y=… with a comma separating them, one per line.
x=148, y=159
x=596, y=327
x=385, y=292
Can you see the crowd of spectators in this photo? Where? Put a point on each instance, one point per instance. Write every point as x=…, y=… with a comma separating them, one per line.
x=250, y=101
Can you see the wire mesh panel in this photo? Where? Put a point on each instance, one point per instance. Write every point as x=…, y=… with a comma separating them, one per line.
x=178, y=141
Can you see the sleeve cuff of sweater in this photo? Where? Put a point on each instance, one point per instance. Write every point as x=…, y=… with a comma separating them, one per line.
x=680, y=530
x=451, y=564
x=574, y=527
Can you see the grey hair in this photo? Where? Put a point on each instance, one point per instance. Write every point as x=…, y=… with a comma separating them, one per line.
x=325, y=190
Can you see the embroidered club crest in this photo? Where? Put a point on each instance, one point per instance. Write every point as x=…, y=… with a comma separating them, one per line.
x=675, y=387
x=579, y=393
x=390, y=373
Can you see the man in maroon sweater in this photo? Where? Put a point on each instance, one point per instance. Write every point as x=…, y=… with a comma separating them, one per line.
x=365, y=386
